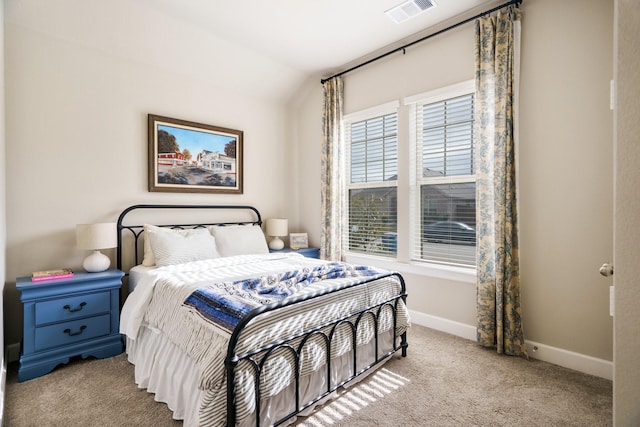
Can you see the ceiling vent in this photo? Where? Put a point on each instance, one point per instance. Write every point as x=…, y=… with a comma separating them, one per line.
x=409, y=9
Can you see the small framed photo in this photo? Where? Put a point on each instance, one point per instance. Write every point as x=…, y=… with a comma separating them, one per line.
x=298, y=241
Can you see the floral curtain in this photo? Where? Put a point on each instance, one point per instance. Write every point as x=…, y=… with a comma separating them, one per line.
x=498, y=288
x=331, y=171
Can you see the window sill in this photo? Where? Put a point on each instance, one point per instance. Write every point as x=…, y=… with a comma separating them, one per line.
x=457, y=274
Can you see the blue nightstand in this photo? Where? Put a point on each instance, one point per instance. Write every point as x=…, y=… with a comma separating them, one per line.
x=69, y=317
x=308, y=252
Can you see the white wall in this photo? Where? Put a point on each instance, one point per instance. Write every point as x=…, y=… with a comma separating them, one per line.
x=565, y=168
x=82, y=75
x=566, y=174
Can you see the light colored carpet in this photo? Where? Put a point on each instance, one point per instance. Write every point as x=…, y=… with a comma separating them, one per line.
x=444, y=381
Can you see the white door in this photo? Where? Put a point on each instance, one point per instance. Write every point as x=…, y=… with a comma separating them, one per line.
x=626, y=321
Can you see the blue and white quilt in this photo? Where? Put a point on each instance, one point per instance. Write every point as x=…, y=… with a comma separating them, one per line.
x=226, y=303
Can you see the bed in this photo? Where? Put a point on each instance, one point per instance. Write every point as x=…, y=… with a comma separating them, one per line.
x=227, y=333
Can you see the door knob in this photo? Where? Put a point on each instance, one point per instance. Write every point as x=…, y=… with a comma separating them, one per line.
x=606, y=270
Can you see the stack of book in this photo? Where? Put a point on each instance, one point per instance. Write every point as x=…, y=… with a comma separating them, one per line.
x=40, y=276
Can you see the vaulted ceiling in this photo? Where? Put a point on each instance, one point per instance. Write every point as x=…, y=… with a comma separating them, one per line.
x=239, y=45
x=313, y=36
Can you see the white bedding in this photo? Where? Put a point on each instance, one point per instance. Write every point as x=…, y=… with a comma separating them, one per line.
x=136, y=274
x=192, y=274
x=153, y=316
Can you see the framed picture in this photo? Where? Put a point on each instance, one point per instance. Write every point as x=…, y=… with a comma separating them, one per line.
x=193, y=157
x=298, y=241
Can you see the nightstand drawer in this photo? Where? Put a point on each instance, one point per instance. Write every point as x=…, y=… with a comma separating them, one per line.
x=70, y=332
x=72, y=307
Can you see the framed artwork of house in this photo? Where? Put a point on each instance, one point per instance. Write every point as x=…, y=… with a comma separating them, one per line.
x=193, y=157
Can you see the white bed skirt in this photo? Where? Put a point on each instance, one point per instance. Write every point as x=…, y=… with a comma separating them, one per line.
x=170, y=374
x=164, y=370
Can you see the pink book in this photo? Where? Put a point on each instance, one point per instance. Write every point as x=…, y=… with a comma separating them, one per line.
x=40, y=276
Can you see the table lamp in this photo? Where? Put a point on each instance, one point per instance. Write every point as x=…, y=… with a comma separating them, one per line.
x=96, y=237
x=276, y=228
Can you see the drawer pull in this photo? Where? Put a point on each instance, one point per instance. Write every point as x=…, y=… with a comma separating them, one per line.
x=68, y=307
x=73, y=334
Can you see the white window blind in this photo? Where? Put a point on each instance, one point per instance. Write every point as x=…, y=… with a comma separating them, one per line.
x=372, y=150
x=444, y=189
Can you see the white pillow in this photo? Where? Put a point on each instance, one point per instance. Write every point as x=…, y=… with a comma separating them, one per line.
x=239, y=240
x=173, y=246
x=148, y=259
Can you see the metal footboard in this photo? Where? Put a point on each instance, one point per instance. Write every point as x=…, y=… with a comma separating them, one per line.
x=258, y=357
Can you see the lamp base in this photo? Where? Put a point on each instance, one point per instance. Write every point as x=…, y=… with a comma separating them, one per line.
x=96, y=262
x=276, y=244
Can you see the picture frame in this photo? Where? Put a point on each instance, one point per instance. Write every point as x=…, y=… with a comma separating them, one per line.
x=298, y=241
x=192, y=157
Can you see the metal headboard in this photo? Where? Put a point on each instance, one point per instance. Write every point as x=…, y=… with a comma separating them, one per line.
x=136, y=230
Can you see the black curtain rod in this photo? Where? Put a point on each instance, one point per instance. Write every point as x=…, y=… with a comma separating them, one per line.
x=402, y=48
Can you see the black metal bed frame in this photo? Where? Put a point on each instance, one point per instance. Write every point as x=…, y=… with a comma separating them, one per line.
x=136, y=230
x=258, y=357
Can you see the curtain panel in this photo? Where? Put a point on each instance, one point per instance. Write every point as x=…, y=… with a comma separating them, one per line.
x=332, y=165
x=498, y=284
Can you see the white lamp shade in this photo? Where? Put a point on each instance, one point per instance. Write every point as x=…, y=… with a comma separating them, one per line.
x=96, y=236
x=277, y=227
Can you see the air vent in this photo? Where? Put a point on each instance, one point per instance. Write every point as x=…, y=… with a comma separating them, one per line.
x=409, y=9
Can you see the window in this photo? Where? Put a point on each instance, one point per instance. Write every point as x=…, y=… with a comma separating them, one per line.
x=441, y=148
x=372, y=163
x=443, y=183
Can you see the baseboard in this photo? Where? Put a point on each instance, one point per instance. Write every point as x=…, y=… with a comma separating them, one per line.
x=445, y=325
x=558, y=356
x=572, y=360
x=3, y=385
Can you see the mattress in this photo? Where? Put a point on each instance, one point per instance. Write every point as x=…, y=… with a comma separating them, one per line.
x=136, y=274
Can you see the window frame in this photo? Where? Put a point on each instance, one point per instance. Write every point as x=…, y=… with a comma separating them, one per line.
x=403, y=262
x=366, y=114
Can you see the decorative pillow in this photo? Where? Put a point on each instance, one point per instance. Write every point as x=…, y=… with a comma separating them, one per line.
x=171, y=246
x=148, y=259
x=239, y=240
